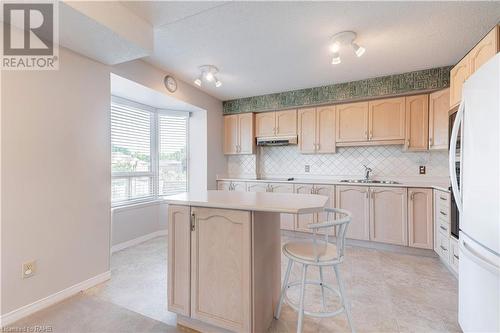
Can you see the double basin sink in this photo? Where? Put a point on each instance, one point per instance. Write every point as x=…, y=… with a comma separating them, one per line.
x=368, y=181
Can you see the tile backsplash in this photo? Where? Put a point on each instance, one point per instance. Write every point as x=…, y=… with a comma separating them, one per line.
x=386, y=162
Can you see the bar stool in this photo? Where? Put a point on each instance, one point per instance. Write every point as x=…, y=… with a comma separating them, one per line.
x=320, y=253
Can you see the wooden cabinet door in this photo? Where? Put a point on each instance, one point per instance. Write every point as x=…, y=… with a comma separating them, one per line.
x=420, y=218
x=221, y=268
x=355, y=200
x=265, y=124
x=351, y=122
x=484, y=50
x=230, y=134
x=286, y=122
x=306, y=119
x=303, y=220
x=327, y=191
x=325, y=129
x=287, y=220
x=417, y=122
x=239, y=186
x=179, y=258
x=246, y=138
x=257, y=187
x=439, y=105
x=458, y=75
x=386, y=119
x=388, y=206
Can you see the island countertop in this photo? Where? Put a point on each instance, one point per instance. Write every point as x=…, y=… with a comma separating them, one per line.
x=251, y=201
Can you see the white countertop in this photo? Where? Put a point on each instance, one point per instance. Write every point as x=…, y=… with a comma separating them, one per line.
x=252, y=201
x=438, y=185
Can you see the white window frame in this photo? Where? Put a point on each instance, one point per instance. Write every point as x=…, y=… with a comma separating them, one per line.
x=154, y=151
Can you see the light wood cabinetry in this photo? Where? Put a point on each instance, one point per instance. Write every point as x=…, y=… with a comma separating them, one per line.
x=355, y=200
x=316, y=130
x=278, y=123
x=417, y=122
x=458, y=75
x=239, y=134
x=179, y=257
x=221, y=292
x=351, y=122
x=439, y=105
x=257, y=187
x=287, y=221
x=484, y=50
x=303, y=220
x=388, y=213
x=386, y=119
x=420, y=227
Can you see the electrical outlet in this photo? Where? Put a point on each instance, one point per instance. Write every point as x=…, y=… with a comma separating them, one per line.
x=307, y=168
x=421, y=169
x=29, y=269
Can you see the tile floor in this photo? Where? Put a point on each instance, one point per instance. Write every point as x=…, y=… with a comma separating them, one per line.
x=389, y=292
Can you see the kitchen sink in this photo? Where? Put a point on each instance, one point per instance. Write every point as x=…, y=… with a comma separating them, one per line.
x=368, y=181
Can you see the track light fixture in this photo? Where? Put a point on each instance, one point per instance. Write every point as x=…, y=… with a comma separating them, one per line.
x=208, y=74
x=344, y=38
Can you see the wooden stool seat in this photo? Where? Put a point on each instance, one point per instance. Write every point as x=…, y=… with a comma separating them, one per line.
x=308, y=251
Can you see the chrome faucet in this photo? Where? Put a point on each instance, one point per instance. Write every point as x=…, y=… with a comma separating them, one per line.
x=367, y=172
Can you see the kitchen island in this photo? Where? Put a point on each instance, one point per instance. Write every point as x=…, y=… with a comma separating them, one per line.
x=224, y=269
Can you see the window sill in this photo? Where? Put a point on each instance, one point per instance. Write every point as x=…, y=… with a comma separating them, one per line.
x=136, y=205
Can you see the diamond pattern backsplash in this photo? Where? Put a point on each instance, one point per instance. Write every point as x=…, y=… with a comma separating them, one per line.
x=386, y=161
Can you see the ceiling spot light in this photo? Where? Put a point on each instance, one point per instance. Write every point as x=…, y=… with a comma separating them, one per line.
x=341, y=39
x=358, y=49
x=208, y=74
x=336, y=58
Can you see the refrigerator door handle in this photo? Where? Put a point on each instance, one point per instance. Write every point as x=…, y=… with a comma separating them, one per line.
x=478, y=258
x=453, y=157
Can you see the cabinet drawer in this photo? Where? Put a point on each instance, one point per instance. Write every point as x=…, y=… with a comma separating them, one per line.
x=443, y=246
x=443, y=227
x=454, y=258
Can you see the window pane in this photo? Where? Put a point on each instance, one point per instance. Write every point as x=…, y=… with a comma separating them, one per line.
x=172, y=159
x=130, y=139
x=131, y=188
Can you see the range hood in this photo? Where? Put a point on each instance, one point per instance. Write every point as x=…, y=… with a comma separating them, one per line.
x=277, y=140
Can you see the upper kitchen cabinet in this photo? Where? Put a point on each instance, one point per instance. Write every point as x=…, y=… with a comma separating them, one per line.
x=386, y=119
x=458, y=75
x=439, y=105
x=484, y=50
x=279, y=123
x=417, y=122
x=316, y=130
x=351, y=122
x=239, y=134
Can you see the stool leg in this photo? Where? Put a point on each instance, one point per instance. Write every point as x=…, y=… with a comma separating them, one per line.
x=283, y=289
x=322, y=288
x=301, y=301
x=345, y=301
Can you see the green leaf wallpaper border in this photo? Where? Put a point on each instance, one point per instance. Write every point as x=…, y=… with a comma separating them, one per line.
x=390, y=85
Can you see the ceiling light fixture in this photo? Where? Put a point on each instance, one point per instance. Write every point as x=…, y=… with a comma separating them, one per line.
x=344, y=38
x=208, y=73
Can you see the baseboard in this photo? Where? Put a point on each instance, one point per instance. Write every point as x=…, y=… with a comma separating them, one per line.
x=43, y=303
x=138, y=240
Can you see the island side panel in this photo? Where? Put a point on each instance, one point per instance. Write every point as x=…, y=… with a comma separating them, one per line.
x=266, y=263
x=179, y=259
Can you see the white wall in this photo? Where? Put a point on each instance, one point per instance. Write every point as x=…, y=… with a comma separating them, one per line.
x=55, y=166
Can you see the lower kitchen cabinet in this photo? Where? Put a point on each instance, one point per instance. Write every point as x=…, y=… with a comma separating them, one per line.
x=355, y=200
x=231, y=186
x=221, y=239
x=257, y=187
x=303, y=220
x=388, y=207
x=287, y=220
x=420, y=227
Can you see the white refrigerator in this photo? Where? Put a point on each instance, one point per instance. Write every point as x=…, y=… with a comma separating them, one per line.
x=477, y=195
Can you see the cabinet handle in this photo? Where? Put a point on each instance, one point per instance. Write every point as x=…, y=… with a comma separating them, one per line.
x=371, y=135
x=443, y=228
x=443, y=248
x=411, y=196
x=442, y=198
x=456, y=257
x=443, y=213
x=193, y=219
x=430, y=141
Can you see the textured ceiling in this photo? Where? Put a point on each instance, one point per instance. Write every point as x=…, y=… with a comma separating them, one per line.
x=267, y=47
